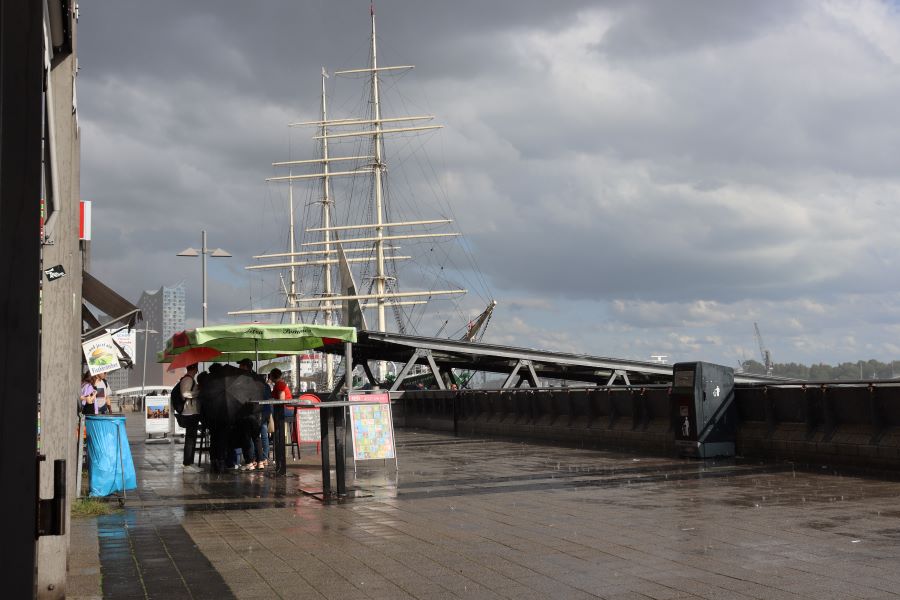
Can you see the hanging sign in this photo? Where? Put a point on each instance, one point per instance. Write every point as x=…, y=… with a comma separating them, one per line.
x=372, y=426
x=101, y=354
x=126, y=339
x=156, y=414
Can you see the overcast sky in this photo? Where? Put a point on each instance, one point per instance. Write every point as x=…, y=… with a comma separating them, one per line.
x=632, y=178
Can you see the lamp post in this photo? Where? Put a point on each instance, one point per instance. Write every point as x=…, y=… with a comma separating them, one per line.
x=146, y=331
x=203, y=253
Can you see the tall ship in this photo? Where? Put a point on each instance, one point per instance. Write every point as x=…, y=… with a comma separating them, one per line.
x=361, y=235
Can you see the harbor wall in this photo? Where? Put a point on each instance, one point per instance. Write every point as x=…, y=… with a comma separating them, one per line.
x=855, y=426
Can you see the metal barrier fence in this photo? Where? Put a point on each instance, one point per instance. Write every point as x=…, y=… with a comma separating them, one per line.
x=829, y=423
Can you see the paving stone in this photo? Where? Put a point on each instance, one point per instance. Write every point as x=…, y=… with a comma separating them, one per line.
x=478, y=518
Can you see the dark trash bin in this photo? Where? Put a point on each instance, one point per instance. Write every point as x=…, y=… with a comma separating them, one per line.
x=704, y=410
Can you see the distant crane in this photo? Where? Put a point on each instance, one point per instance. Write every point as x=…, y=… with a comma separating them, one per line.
x=764, y=353
x=475, y=330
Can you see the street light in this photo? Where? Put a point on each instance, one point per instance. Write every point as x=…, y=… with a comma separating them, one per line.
x=146, y=331
x=203, y=252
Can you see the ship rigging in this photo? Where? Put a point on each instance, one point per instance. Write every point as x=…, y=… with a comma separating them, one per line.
x=372, y=240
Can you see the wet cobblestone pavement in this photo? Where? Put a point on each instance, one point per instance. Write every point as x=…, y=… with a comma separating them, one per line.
x=475, y=518
x=148, y=554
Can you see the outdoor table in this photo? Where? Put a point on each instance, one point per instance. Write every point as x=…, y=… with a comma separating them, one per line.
x=328, y=412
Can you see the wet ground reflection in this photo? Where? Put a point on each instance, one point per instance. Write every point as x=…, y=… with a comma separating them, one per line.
x=469, y=517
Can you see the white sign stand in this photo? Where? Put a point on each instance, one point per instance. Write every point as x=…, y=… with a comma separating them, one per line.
x=156, y=416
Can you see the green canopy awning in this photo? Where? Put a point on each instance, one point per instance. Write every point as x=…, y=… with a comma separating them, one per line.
x=162, y=357
x=271, y=340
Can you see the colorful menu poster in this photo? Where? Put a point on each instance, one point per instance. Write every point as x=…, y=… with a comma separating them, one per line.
x=372, y=426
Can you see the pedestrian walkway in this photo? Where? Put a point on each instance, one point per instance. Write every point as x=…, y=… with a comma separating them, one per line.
x=478, y=518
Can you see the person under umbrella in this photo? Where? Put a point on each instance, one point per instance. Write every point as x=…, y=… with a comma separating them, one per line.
x=249, y=427
x=229, y=395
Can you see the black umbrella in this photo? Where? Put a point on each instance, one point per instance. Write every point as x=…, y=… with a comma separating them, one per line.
x=227, y=395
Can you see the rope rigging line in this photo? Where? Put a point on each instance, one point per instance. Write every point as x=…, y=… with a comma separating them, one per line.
x=435, y=261
x=441, y=196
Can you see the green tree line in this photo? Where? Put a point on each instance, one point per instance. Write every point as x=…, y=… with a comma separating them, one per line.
x=862, y=369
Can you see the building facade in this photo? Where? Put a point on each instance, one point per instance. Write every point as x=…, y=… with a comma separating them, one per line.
x=164, y=312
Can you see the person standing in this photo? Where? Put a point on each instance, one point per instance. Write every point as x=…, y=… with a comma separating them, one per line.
x=103, y=393
x=187, y=385
x=265, y=418
x=88, y=393
x=190, y=417
x=249, y=428
x=221, y=455
x=281, y=391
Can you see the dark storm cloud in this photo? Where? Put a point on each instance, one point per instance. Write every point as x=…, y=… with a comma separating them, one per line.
x=646, y=29
x=237, y=44
x=612, y=162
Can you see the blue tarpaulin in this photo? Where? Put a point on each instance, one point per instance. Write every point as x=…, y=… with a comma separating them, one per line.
x=112, y=469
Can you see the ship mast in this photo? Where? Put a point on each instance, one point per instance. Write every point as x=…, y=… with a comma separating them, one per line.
x=381, y=235
x=326, y=225
x=377, y=171
x=292, y=295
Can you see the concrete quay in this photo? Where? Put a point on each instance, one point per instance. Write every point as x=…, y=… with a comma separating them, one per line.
x=473, y=517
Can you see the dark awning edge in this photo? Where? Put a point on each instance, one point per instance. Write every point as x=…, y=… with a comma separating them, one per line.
x=98, y=294
x=127, y=320
x=88, y=318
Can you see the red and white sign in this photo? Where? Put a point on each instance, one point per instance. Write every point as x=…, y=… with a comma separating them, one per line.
x=84, y=221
